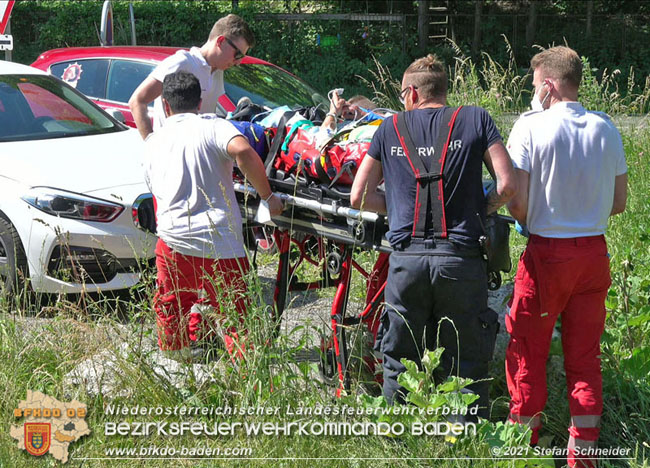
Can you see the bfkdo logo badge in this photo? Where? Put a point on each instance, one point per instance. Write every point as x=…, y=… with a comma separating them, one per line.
x=37, y=438
x=47, y=425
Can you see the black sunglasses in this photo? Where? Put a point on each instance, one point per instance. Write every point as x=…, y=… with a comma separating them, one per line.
x=238, y=53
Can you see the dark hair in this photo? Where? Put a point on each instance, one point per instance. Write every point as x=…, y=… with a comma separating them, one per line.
x=233, y=27
x=428, y=75
x=182, y=91
x=561, y=63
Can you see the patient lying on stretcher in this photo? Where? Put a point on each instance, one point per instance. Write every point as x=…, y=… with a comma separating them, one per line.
x=343, y=111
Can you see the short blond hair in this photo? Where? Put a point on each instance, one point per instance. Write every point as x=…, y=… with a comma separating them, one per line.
x=233, y=27
x=561, y=63
x=428, y=74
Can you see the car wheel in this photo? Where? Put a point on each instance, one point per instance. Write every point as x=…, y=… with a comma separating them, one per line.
x=13, y=262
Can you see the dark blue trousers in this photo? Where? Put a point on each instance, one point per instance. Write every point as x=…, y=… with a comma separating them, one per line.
x=427, y=290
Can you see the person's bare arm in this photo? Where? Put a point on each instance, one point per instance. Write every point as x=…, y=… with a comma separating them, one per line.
x=518, y=205
x=250, y=164
x=148, y=90
x=620, y=194
x=364, y=194
x=499, y=165
x=336, y=107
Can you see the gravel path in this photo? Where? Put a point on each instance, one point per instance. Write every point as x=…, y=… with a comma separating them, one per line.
x=313, y=312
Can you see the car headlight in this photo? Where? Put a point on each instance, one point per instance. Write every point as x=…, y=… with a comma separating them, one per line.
x=72, y=205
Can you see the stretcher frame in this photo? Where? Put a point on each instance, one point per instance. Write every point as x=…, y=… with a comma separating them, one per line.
x=316, y=218
x=326, y=234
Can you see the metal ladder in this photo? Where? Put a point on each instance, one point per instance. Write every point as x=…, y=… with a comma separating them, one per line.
x=438, y=21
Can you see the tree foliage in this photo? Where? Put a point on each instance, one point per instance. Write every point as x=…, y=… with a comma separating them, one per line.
x=620, y=38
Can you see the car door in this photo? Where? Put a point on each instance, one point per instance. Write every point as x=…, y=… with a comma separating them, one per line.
x=123, y=77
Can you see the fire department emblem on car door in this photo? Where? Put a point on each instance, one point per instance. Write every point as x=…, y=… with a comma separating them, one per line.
x=37, y=438
x=71, y=74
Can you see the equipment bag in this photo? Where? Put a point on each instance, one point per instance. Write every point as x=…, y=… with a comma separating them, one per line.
x=343, y=154
x=338, y=163
x=495, y=243
x=299, y=144
x=335, y=162
x=280, y=139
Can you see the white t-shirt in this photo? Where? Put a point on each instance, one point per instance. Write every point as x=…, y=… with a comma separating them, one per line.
x=189, y=172
x=572, y=156
x=193, y=62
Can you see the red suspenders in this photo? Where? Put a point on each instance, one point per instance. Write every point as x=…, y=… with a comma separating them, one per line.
x=425, y=177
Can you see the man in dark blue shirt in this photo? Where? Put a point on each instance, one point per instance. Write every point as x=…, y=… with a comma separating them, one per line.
x=436, y=293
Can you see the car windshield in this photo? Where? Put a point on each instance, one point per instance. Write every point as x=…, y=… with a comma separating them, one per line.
x=37, y=107
x=270, y=86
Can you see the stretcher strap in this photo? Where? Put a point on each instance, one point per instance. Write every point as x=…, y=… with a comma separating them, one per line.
x=431, y=193
x=278, y=139
x=321, y=164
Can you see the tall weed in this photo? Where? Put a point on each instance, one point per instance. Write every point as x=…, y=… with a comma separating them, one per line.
x=505, y=89
x=490, y=85
x=604, y=95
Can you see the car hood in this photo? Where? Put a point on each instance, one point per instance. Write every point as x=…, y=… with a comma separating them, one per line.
x=78, y=164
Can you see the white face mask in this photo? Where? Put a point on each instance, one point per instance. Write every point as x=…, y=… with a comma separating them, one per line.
x=536, y=104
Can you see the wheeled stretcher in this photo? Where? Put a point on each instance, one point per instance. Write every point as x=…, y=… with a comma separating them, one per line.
x=313, y=177
x=327, y=233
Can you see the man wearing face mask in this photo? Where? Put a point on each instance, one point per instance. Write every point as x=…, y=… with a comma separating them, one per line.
x=572, y=176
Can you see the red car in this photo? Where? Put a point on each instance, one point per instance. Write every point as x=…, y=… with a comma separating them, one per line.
x=109, y=75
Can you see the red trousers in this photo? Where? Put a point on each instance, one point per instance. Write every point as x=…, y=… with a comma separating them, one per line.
x=566, y=278
x=184, y=281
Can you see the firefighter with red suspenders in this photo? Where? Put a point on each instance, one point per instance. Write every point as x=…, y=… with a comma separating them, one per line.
x=572, y=176
x=431, y=160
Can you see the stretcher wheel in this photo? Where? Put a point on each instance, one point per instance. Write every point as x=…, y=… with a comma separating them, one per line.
x=359, y=231
x=360, y=363
x=334, y=263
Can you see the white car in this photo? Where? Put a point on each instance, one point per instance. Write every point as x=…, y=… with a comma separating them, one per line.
x=75, y=212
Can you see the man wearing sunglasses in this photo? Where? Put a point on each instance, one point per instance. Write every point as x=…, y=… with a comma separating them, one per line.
x=228, y=43
x=436, y=293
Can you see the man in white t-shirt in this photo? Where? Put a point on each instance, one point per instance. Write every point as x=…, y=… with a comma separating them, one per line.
x=228, y=43
x=572, y=176
x=200, y=256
